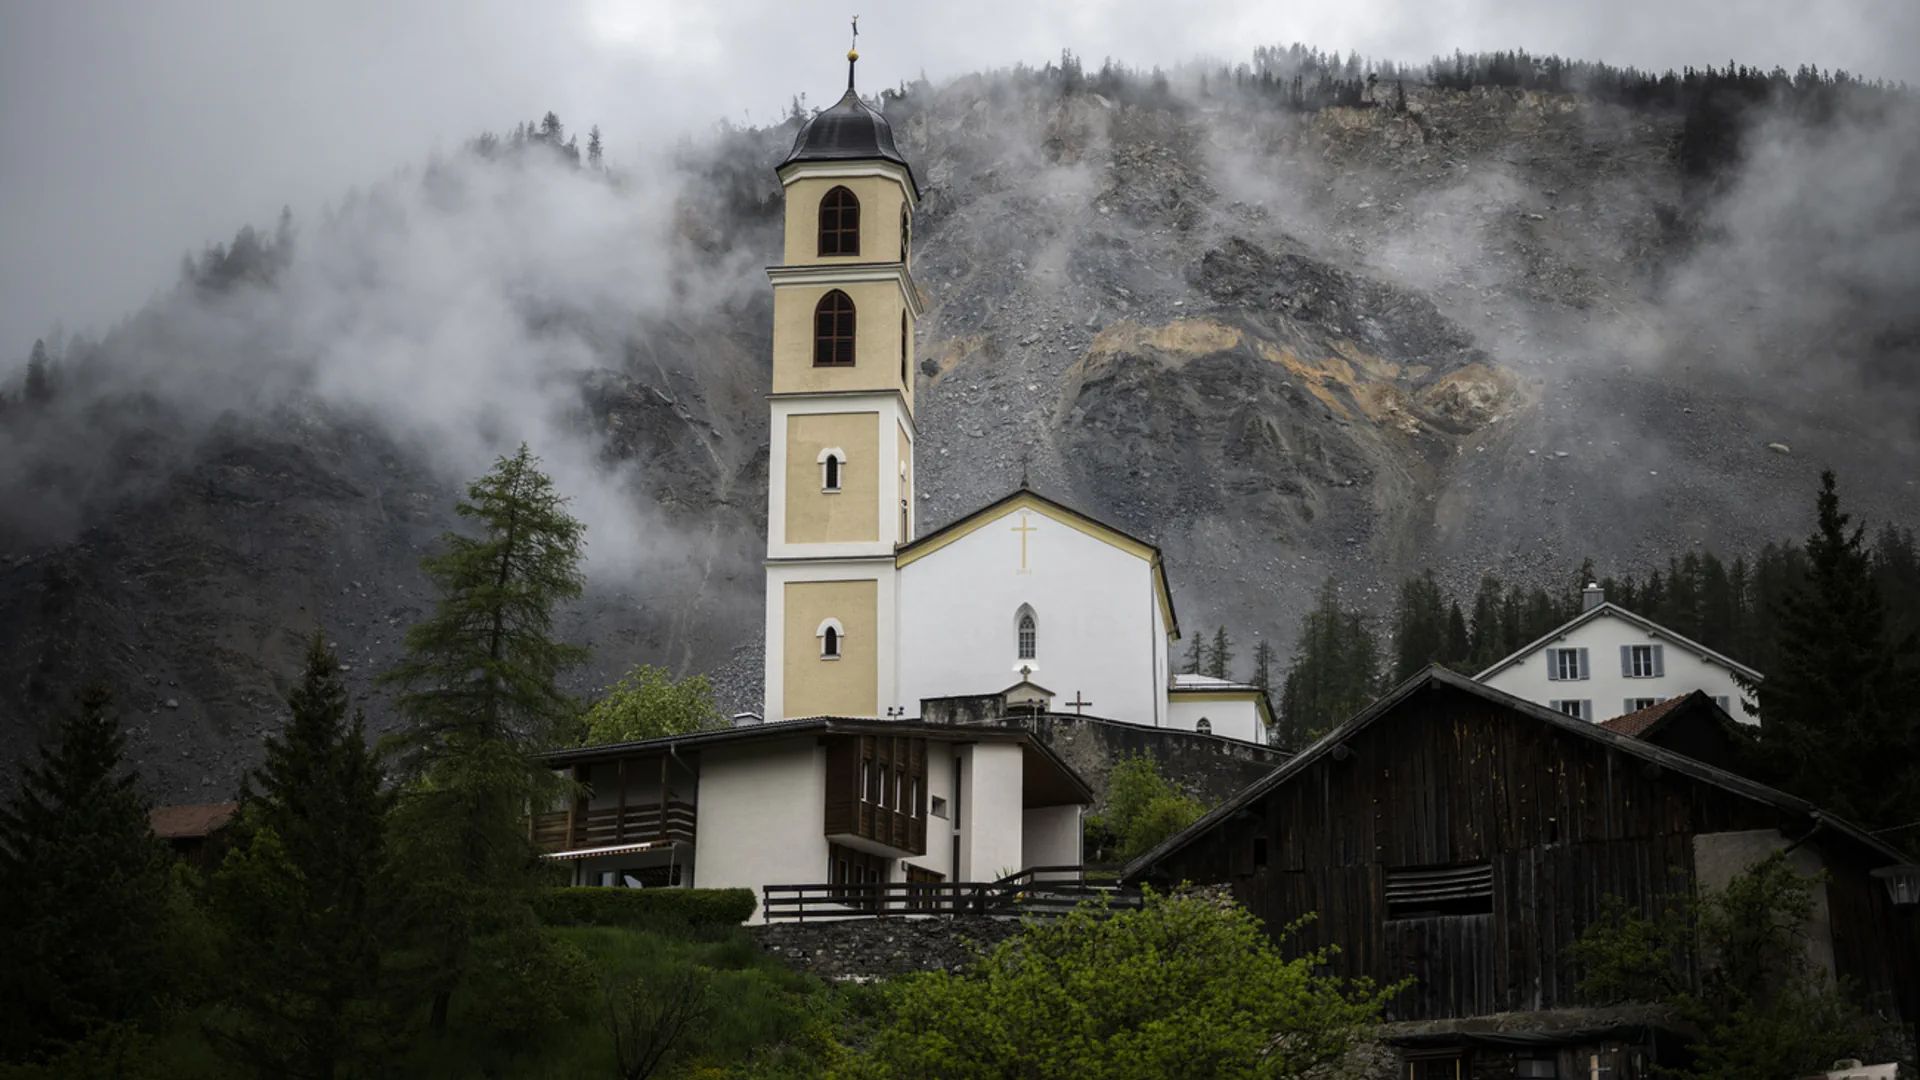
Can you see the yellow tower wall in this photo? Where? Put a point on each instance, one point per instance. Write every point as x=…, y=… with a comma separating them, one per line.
x=851, y=515
x=877, y=306
x=848, y=686
x=881, y=198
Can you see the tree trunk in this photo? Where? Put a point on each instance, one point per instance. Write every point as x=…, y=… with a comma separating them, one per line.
x=438, y=1021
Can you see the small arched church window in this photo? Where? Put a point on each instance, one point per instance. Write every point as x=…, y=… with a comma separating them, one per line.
x=832, y=637
x=839, y=223
x=1029, y=636
x=1204, y=727
x=833, y=461
x=833, y=330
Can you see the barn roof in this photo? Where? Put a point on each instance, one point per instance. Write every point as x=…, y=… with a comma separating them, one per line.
x=187, y=822
x=1436, y=677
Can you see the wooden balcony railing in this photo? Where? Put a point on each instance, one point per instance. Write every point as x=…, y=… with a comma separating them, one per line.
x=563, y=830
x=1042, y=891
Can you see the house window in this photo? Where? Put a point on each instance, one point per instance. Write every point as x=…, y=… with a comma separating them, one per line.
x=886, y=785
x=831, y=464
x=936, y=806
x=1424, y=891
x=913, y=798
x=833, y=330
x=1726, y=705
x=1446, y=1064
x=1536, y=1069
x=1567, y=665
x=1204, y=727
x=1635, y=704
x=1259, y=851
x=1642, y=661
x=866, y=790
x=839, y=223
x=831, y=635
x=1028, y=635
x=1579, y=710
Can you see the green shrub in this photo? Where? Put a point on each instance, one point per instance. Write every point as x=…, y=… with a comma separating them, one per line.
x=528, y=983
x=589, y=906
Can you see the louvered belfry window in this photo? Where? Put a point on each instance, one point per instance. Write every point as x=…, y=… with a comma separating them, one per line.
x=839, y=223
x=833, y=331
x=1422, y=891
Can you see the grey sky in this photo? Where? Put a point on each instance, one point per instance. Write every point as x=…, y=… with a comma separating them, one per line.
x=131, y=132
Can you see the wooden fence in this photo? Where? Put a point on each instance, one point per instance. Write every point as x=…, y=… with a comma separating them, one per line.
x=1042, y=891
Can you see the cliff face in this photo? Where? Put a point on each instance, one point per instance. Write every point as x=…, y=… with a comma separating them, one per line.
x=1492, y=333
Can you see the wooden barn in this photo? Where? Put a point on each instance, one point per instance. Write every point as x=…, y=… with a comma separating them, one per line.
x=1465, y=837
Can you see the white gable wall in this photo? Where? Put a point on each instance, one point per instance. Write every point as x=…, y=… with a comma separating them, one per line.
x=1229, y=719
x=1097, y=610
x=1609, y=690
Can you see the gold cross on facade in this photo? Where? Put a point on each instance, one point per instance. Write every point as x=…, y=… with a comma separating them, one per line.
x=1023, y=529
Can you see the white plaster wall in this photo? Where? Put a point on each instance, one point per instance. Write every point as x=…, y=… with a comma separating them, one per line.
x=992, y=828
x=1094, y=605
x=1606, y=687
x=1051, y=836
x=939, y=856
x=1230, y=719
x=762, y=816
x=889, y=416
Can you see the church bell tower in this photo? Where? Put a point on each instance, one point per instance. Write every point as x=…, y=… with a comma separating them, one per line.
x=840, y=477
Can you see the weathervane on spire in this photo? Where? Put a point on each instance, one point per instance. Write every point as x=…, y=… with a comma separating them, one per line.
x=853, y=51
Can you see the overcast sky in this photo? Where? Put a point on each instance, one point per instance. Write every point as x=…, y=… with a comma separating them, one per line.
x=131, y=132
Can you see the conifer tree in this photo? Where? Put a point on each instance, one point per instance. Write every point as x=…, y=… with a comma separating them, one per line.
x=480, y=696
x=1836, y=708
x=39, y=388
x=1220, y=657
x=1196, y=656
x=1263, y=658
x=594, y=149
x=83, y=890
x=1419, y=626
x=1335, y=670
x=1489, y=639
x=301, y=900
x=1459, y=642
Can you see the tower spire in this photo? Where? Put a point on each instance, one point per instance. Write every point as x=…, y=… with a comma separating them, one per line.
x=853, y=52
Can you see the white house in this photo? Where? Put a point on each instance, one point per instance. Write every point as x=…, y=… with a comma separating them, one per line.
x=866, y=618
x=819, y=801
x=1608, y=662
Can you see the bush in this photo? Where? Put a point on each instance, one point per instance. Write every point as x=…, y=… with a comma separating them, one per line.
x=589, y=906
x=528, y=983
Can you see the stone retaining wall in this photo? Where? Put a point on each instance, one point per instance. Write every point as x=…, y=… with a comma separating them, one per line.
x=879, y=948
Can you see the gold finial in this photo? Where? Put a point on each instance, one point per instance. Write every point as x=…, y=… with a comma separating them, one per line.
x=853, y=52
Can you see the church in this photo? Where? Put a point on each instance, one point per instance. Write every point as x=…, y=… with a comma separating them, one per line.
x=866, y=617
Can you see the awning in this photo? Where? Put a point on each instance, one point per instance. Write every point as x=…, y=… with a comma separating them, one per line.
x=618, y=849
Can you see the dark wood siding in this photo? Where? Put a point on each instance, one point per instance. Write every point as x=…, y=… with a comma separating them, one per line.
x=1449, y=778
x=856, y=805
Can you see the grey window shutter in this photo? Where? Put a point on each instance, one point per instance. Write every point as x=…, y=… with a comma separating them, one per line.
x=1626, y=661
x=1722, y=702
x=1553, y=665
x=1628, y=706
x=1585, y=672
x=1586, y=711
x=1659, y=661
x=1554, y=705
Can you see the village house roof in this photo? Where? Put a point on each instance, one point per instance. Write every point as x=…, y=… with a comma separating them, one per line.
x=1436, y=677
x=1024, y=495
x=1054, y=777
x=1636, y=724
x=1610, y=609
x=189, y=822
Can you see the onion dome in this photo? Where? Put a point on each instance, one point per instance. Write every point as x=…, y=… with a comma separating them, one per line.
x=850, y=130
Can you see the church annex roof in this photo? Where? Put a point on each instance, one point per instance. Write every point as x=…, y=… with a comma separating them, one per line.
x=849, y=130
x=1024, y=496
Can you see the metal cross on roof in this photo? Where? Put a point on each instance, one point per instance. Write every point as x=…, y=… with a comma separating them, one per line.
x=1078, y=703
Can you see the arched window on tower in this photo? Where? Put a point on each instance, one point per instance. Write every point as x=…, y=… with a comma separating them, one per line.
x=831, y=638
x=1027, y=634
x=833, y=330
x=904, y=381
x=906, y=232
x=833, y=461
x=839, y=223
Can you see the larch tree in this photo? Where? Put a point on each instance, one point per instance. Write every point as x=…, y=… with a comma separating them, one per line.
x=84, y=891
x=480, y=696
x=1419, y=626
x=594, y=149
x=1220, y=656
x=1335, y=670
x=1837, y=725
x=301, y=901
x=1264, y=656
x=1196, y=656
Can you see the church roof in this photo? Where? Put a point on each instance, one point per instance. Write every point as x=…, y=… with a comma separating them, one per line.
x=849, y=130
x=1024, y=496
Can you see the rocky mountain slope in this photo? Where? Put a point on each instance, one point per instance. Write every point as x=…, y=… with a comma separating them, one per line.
x=1496, y=331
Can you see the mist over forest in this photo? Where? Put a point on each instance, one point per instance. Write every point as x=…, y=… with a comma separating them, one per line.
x=1302, y=317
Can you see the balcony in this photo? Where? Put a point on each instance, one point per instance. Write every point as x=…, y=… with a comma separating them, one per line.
x=585, y=830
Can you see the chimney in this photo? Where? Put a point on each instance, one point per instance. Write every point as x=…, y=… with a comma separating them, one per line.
x=746, y=719
x=1591, y=597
